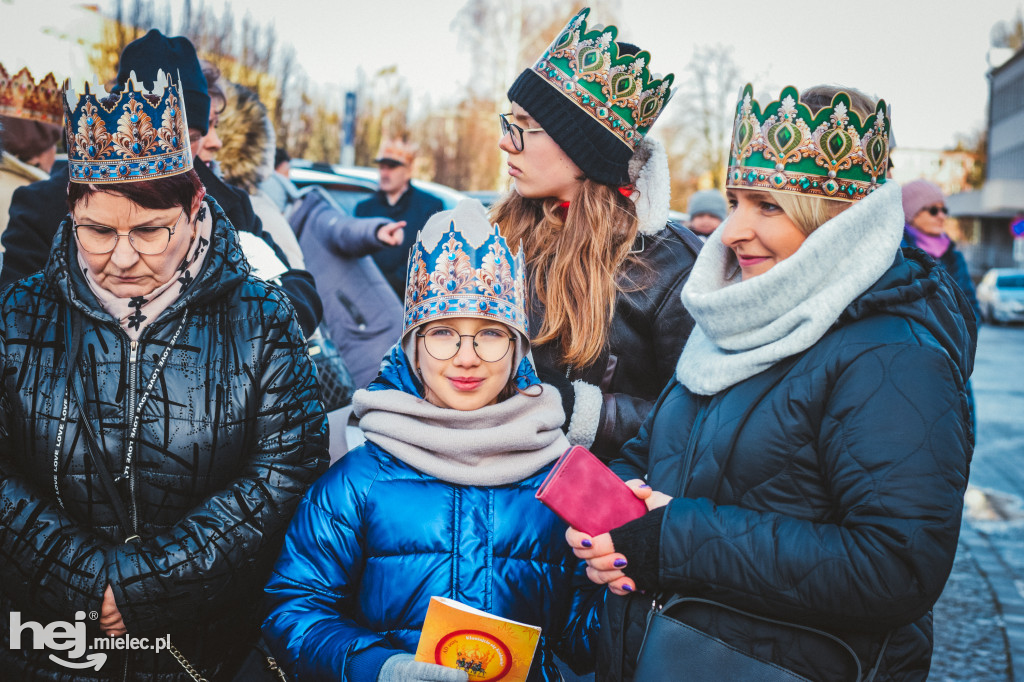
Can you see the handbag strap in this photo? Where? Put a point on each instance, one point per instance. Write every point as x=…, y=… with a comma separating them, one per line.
x=92, y=446
x=678, y=599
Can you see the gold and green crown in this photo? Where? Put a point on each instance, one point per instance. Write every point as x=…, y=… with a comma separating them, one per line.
x=129, y=135
x=618, y=91
x=22, y=97
x=787, y=147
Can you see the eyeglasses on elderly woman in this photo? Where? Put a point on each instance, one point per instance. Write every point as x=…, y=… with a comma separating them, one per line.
x=148, y=240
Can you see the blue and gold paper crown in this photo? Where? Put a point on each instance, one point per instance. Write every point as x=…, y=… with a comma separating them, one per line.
x=129, y=135
x=617, y=90
x=786, y=147
x=461, y=266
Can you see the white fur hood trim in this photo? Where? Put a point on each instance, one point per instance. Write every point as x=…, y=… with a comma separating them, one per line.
x=649, y=171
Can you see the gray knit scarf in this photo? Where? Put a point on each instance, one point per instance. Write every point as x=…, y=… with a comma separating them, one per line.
x=493, y=445
x=745, y=327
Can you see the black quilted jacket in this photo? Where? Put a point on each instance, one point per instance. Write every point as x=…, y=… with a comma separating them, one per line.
x=646, y=336
x=825, y=491
x=230, y=437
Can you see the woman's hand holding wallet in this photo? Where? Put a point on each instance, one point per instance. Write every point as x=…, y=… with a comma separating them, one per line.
x=604, y=564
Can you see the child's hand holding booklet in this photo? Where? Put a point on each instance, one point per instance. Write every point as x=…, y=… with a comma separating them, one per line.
x=485, y=646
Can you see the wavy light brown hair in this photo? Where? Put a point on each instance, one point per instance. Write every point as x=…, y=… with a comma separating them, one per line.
x=574, y=264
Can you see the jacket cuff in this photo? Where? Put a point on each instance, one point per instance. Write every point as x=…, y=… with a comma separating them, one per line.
x=365, y=666
x=586, y=414
x=640, y=542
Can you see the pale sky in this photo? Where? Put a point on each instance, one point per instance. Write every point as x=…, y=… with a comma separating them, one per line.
x=926, y=57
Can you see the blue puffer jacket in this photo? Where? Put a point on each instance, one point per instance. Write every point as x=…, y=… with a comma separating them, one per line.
x=374, y=539
x=825, y=491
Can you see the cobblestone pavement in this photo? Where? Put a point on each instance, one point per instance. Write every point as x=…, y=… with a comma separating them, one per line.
x=979, y=620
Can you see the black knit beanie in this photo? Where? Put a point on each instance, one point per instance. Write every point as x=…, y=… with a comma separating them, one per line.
x=596, y=150
x=177, y=58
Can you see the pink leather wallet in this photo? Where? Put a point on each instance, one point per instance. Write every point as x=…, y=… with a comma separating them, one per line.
x=587, y=495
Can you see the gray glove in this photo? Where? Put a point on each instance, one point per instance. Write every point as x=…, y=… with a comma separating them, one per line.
x=403, y=668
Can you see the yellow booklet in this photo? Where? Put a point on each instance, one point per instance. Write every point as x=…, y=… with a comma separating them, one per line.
x=486, y=646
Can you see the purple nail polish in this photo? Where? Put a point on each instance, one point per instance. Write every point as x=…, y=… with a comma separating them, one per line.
x=627, y=587
x=619, y=563
x=645, y=486
x=586, y=543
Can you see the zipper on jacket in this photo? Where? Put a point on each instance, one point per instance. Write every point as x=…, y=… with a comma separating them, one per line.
x=133, y=365
x=357, y=316
x=691, y=445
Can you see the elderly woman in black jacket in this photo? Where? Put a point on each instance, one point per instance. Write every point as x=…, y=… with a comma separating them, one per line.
x=159, y=416
x=810, y=458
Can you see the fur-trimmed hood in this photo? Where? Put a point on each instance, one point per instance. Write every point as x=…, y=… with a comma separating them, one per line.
x=648, y=170
x=245, y=130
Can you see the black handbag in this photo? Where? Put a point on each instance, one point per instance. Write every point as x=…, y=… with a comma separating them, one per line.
x=336, y=383
x=673, y=651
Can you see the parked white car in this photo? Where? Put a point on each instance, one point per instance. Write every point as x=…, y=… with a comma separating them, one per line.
x=1001, y=295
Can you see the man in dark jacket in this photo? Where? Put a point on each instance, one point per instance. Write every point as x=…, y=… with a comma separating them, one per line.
x=38, y=209
x=398, y=200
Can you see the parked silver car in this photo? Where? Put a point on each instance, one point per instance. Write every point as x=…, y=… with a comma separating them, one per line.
x=1001, y=295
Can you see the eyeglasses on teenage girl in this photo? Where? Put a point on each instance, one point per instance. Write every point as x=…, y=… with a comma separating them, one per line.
x=515, y=131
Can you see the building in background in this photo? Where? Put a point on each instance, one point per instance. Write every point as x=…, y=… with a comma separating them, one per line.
x=985, y=215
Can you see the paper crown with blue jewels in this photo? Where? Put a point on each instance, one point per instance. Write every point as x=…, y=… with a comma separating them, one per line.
x=461, y=266
x=132, y=134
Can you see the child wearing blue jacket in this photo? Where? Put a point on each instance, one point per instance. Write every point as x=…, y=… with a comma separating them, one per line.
x=440, y=499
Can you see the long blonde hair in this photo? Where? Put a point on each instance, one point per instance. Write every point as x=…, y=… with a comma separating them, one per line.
x=574, y=264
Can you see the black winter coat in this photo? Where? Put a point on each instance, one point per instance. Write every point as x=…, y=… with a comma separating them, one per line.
x=647, y=334
x=414, y=207
x=37, y=210
x=825, y=491
x=232, y=434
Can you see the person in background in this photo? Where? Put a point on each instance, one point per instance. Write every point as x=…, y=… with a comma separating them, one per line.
x=38, y=209
x=30, y=127
x=590, y=202
x=243, y=154
x=159, y=414
x=218, y=101
x=277, y=186
x=400, y=201
x=808, y=461
x=440, y=499
x=925, y=213
x=282, y=162
x=707, y=210
x=362, y=314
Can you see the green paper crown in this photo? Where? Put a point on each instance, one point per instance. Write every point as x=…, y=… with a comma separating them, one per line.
x=619, y=92
x=786, y=147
